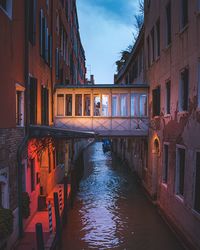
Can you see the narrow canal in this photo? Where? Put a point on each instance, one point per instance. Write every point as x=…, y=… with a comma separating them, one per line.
x=112, y=212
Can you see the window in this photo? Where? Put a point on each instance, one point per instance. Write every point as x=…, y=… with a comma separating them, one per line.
x=57, y=63
x=42, y=33
x=68, y=105
x=198, y=87
x=97, y=105
x=156, y=101
x=183, y=90
x=46, y=42
x=50, y=51
x=148, y=52
x=134, y=105
x=32, y=21
x=197, y=184
x=153, y=44
x=168, y=23
x=105, y=99
x=60, y=105
x=87, y=105
x=180, y=171
x=124, y=105
x=33, y=100
x=143, y=105
x=165, y=163
x=7, y=6
x=184, y=13
x=115, y=100
x=19, y=108
x=45, y=106
x=78, y=105
x=32, y=168
x=168, y=97
x=158, y=38
x=138, y=105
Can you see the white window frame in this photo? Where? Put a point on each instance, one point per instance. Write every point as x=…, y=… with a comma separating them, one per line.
x=177, y=173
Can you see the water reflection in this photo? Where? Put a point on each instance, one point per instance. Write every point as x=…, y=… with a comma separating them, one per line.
x=111, y=211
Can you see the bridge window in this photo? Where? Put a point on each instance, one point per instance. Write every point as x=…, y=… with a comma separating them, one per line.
x=60, y=105
x=68, y=105
x=143, y=105
x=134, y=105
x=124, y=105
x=105, y=99
x=87, y=104
x=115, y=99
x=78, y=105
x=138, y=105
x=97, y=105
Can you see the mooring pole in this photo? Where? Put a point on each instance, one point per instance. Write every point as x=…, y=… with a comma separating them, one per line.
x=65, y=199
x=39, y=236
x=57, y=217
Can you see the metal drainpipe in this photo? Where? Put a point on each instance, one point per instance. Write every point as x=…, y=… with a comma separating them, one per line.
x=27, y=121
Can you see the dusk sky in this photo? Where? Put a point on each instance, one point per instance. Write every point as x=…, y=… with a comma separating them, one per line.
x=106, y=28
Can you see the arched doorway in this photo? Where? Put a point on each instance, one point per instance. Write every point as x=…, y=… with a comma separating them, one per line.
x=155, y=163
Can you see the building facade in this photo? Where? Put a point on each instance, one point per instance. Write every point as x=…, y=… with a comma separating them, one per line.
x=172, y=71
x=40, y=47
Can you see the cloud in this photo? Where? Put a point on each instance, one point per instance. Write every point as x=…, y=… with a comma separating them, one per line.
x=105, y=31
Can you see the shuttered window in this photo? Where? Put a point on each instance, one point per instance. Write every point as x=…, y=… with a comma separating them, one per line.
x=180, y=171
x=33, y=100
x=45, y=106
x=156, y=101
x=32, y=21
x=57, y=63
x=184, y=13
x=184, y=90
x=50, y=50
x=41, y=31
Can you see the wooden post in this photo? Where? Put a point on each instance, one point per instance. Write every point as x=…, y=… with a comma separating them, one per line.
x=39, y=236
x=65, y=199
x=57, y=217
x=72, y=189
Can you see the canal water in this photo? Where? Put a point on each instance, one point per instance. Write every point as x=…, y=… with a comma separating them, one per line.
x=112, y=212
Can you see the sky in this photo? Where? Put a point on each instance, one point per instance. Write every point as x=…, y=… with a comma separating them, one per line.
x=106, y=28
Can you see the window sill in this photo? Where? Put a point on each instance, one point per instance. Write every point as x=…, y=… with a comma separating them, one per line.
x=167, y=115
x=168, y=46
x=181, y=113
x=157, y=59
x=164, y=184
x=179, y=198
x=195, y=213
x=183, y=29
